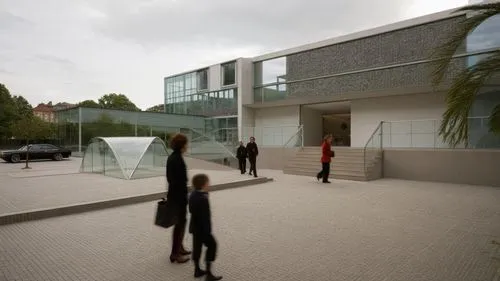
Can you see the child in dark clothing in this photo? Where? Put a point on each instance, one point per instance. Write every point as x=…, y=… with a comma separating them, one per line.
x=201, y=227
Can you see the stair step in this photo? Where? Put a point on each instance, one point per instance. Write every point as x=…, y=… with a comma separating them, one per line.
x=348, y=163
x=340, y=176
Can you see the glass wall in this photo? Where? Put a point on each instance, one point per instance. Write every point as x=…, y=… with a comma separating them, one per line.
x=270, y=80
x=216, y=103
x=485, y=37
x=187, y=94
x=95, y=122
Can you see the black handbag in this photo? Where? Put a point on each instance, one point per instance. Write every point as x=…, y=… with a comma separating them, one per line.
x=332, y=154
x=166, y=214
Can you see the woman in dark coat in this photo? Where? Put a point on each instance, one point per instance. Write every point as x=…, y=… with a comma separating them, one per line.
x=178, y=195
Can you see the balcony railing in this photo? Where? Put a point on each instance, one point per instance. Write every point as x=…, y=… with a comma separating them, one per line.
x=276, y=136
x=425, y=134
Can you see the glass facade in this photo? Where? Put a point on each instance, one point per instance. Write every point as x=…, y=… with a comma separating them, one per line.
x=96, y=122
x=270, y=80
x=484, y=37
x=187, y=94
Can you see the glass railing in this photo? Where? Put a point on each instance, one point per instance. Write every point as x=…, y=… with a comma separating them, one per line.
x=296, y=140
x=372, y=147
x=272, y=136
x=425, y=134
x=204, y=146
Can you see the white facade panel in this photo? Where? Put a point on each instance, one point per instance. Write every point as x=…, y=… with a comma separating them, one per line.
x=274, y=126
x=214, y=77
x=366, y=114
x=312, y=120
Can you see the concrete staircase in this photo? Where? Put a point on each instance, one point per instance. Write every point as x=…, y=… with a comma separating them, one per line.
x=348, y=163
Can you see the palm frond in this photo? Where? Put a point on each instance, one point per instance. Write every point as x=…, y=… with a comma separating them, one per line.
x=444, y=54
x=494, y=120
x=454, y=128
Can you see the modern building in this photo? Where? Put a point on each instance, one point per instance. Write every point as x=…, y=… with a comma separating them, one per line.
x=346, y=86
x=371, y=89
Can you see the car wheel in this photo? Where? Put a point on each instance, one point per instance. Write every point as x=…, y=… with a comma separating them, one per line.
x=58, y=157
x=15, y=158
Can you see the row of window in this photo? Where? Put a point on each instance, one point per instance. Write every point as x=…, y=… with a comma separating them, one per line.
x=198, y=81
x=223, y=102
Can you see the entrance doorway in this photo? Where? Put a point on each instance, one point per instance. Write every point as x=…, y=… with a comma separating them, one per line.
x=321, y=119
x=339, y=125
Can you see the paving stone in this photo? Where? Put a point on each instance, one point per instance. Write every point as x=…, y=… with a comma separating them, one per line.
x=291, y=229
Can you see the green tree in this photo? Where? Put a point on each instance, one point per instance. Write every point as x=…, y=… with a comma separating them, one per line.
x=89, y=103
x=156, y=108
x=117, y=101
x=22, y=106
x=31, y=128
x=466, y=85
x=7, y=112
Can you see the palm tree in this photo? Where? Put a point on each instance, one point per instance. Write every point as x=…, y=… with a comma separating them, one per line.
x=466, y=85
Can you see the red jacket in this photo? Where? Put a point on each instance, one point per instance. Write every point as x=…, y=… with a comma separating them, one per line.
x=326, y=155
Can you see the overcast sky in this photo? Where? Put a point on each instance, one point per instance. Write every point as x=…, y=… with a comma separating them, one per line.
x=72, y=50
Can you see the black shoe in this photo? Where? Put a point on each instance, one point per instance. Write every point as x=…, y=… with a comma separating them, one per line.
x=254, y=176
x=199, y=273
x=211, y=277
x=318, y=177
x=326, y=182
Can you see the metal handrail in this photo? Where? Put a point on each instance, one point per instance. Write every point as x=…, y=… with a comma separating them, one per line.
x=366, y=145
x=299, y=130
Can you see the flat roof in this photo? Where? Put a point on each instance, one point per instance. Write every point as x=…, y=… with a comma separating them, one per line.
x=450, y=13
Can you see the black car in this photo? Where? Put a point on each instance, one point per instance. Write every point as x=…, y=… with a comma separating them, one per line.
x=36, y=151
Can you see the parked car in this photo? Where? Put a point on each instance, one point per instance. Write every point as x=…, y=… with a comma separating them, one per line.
x=36, y=151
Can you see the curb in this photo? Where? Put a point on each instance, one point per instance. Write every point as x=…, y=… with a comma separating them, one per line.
x=39, y=214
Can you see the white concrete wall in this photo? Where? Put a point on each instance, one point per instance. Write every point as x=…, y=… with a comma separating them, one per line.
x=244, y=78
x=312, y=121
x=214, y=77
x=366, y=114
x=274, y=126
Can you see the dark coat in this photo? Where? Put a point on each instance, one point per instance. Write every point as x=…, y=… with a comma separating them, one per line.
x=201, y=218
x=177, y=178
x=252, y=150
x=241, y=153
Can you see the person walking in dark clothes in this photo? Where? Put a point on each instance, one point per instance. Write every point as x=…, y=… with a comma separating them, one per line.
x=326, y=158
x=241, y=154
x=178, y=195
x=200, y=226
x=252, y=151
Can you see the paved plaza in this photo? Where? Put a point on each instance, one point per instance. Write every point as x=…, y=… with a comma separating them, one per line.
x=50, y=184
x=291, y=229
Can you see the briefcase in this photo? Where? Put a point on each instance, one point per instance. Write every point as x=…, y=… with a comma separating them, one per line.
x=166, y=214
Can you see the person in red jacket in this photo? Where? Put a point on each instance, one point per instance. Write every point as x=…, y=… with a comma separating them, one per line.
x=326, y=158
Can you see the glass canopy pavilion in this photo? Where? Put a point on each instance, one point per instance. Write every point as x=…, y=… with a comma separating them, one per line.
x=125, y=157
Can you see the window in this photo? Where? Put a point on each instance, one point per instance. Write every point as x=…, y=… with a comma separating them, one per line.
x=270, y=71
x=202, y=79
x=229, y=74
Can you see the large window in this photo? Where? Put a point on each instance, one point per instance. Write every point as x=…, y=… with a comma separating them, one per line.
x=484, y=37
x=202, y=76
x=270, y=80
x=187, y=94
x=229, y=74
